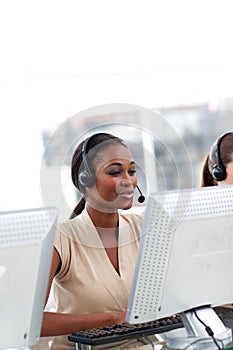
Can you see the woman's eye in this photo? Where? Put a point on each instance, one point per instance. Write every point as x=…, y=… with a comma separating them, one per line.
x=132, y=172
x=114, y=173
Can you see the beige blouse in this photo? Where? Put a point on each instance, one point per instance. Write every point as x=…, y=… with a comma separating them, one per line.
x=87, y=281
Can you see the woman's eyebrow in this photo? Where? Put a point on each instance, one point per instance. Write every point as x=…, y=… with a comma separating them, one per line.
x=118, y=164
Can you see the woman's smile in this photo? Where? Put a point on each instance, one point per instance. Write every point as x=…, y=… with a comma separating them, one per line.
x=126, y=194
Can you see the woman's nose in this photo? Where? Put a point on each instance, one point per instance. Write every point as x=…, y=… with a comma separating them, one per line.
x=125, y=182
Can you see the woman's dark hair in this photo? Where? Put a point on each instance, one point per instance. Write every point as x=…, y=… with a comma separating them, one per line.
x=88, y=149
x=220, y=152
x=207, y=178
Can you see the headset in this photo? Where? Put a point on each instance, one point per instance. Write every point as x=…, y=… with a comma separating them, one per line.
x=219, y=171
x=87, y=178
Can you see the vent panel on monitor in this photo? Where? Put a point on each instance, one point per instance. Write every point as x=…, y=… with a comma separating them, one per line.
x=153, y=260
x=189, y=203
x=35, y=221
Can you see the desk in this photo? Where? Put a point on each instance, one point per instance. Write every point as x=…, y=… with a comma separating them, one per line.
x=61, y=343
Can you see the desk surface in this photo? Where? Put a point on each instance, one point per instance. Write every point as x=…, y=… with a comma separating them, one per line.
x=62, y=343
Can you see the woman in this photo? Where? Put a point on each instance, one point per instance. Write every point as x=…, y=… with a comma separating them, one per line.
x=218, y=165
x=95, y=251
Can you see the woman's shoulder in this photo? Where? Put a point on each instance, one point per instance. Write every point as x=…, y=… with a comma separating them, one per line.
x=77, y=220
x=77, y=225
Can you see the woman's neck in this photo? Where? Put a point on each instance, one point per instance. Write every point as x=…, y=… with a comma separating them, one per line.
x=102, y=219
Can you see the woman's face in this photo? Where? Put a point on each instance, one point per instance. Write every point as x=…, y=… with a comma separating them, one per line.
x=229, y=178
x=115, y=179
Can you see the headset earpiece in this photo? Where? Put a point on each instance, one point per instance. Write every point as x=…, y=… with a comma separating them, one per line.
x=86, y=178
x=219, y=171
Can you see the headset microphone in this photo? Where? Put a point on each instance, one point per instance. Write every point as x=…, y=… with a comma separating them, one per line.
x=141, y=198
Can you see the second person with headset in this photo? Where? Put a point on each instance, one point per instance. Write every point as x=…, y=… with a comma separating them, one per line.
x=218, y=165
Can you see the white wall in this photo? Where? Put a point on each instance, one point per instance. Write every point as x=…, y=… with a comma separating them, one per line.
x=61, y=57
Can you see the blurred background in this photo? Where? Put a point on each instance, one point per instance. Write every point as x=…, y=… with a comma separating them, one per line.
x=59, y=58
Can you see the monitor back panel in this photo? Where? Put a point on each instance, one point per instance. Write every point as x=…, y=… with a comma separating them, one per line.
x=26, y=243
x=185, y=255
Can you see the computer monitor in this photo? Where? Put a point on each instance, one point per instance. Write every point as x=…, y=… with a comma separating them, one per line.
x=184, y=263
x=26, y=244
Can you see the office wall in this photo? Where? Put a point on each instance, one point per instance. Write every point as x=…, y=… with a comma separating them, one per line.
x=61, y=57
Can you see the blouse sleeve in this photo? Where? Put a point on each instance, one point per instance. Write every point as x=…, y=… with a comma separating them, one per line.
x=62, y=245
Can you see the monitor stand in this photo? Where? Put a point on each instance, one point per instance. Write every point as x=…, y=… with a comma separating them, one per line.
x=194, y=333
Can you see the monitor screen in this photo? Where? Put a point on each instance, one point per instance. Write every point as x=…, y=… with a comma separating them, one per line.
x=26, y=244
x=185, y=255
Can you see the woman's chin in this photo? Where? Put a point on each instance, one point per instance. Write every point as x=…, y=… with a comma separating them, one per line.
x=127, y=206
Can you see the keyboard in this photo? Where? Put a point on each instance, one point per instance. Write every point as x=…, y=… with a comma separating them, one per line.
x=125, y=331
